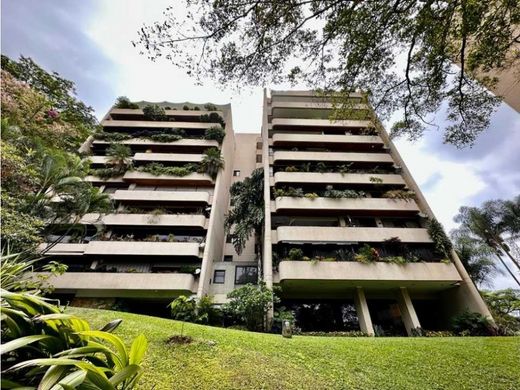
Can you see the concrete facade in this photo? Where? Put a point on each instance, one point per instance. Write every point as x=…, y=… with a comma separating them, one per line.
x=166, y=236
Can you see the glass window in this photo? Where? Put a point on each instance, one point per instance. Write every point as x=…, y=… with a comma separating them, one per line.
x=229, y=239
x=219, y=276
x=228, y=258
x=246, y=274
x=236, y=172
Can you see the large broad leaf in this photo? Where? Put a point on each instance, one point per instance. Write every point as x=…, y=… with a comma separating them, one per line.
x=127, y=373
x=21, y=342
x=138, y=349
x=113, y=339
x=95, y=374
x=71, y=381
x=53, y=375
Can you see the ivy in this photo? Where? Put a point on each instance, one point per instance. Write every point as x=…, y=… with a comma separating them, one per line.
x=158, y=169
x=440, y=239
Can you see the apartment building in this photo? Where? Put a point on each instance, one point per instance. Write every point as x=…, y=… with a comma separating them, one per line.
x=346, y=227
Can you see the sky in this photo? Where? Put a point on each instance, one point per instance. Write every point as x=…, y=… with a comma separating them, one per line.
x=89, y=42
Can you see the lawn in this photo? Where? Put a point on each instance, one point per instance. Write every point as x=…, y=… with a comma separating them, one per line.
x=232, y=359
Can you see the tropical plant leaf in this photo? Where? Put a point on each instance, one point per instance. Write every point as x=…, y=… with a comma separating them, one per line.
x=126, y=373
x=21, y=342
x=113, y=339
x=111, y=326
x=53, y=375
x=138, y=349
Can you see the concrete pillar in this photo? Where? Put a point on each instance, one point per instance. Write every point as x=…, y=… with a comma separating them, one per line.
x=365, y=321
x=408, y=315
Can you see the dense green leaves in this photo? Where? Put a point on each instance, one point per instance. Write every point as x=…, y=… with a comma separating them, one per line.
x=247, y=215
x=44, y=347
x=212, y=162
x=401, y=53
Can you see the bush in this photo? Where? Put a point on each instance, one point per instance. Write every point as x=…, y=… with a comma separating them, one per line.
x=124, y=102
x=41, y=344
x=471, y=324
x=162, y=137
x=350, y=333
x=189, y=309
x=367, y=254
x=295, y=254
x=216, y=133
x=249, y=304
x=210, y=107
x=112, y=137
x=213, y=117
x=158, y=169
x=154, y=113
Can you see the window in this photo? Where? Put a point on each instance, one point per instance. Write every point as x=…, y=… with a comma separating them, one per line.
x=236, y=172
x=246, y=274
x=229, y=238
x=228, y=258
x=258, y=158
x=219, y=276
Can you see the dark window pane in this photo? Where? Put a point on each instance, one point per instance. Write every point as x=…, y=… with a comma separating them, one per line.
x=247, y=274
x=219, y=277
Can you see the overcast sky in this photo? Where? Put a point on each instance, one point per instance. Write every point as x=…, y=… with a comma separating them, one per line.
x=88, y=42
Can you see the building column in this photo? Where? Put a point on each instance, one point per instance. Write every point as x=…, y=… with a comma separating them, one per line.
x=365, y=321
x=408, y=315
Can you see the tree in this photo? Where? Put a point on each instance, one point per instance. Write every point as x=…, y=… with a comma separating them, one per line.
x=487, y=225
x=153, y=112
x=476, y=257
x=250, y=304
x=124, y=102
x=505, y=307
x=212, y=162
x=246, y=217
x=400, y=52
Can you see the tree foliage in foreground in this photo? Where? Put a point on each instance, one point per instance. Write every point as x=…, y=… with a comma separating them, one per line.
x=43, y=124
x=505, y=307
x=401, y=52
x=246, y=217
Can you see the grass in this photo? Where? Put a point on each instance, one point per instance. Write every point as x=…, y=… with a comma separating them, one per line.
x=232, y=359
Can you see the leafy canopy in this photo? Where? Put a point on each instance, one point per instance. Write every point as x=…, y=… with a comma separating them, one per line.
x=402, y=53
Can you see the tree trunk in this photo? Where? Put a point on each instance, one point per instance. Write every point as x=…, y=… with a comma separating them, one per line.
x=506, y=251
x=508, y=270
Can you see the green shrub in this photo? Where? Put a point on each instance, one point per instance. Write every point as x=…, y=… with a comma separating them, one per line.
x=399, y=194
x=186, y=108
x=188, y=309
x=106, y=173
x=250, y=304
x=162, y=137
x=350, y=333
x=112, y=137
x=367, y=254
x=210, y=107
x=42, y=345
x=154, y=113
x=216, y=133
x=471, y=324
x=295, y=254
x=213, y=117
x=440, y=239
x=211, y=163
x=124, y=102
x=183, y=309
x=158, y=169
x=291, y=168
x=311, y=195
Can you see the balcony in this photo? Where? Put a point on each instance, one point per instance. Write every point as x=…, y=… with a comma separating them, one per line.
x=137, y=177
x=383, y=158
x=168, y=157
x=317, y=123
x=336, y=178
x=126, y=248
x=325, y=276
x=366, y=206
x=170, y=113
x=188, y=197
x=328, y=234
x=308, y=110
x=184, y=142
x=178, y=220
x=104, y=284
x=143, y=248
x=117, y=124
x=324, y=140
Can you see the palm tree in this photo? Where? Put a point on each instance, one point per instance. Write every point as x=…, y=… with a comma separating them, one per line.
x=476, y=257
x=510, y=218
x=247, y=215
x=212, y=162
x=485, y=225
x=120, y=157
